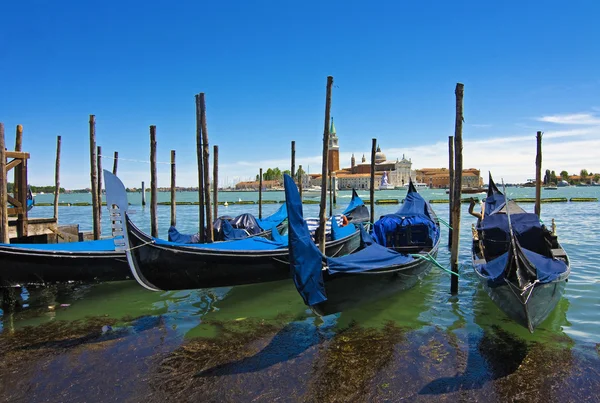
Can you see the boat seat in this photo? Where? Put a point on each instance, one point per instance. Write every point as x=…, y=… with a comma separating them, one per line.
x=559, y=252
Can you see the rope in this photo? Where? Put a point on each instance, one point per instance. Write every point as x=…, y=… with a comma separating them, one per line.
x=431, y=259
x=135, y=247
x=445, y=223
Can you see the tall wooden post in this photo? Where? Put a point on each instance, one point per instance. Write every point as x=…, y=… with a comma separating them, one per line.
x=199, y=158
x=17, y=169
x=334, y=185
x=215, y=181
x=450, y=185
x=143, y=193
x=57, y=177
x=94, y=177
x=115, y=163
x=293, y=170
x=3, y=190
x=458, y=168
x=173, y=191
x=322, y=218
x=300, y=181
x=538, y=175
x=330, y=195
x=372, y=183
x=99, y=162
x=209, y=221
x=153, y=184
x=260, y=185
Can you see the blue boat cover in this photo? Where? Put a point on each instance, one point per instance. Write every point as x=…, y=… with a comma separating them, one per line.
x=338, y=232
x=495, y=235
x=306, y=260
x=272, y=221
x=372, y=257
x=175, y=236
x=103, y=245
x=411, y=225
x=248, y=244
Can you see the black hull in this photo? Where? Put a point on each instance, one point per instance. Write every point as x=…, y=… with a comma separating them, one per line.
x=22, y=266
x=345, y=291
x=179, y=267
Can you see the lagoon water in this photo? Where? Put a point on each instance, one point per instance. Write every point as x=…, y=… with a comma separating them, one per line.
x=117, y=341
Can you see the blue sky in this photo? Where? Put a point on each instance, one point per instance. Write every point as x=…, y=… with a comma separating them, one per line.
x=263, y=66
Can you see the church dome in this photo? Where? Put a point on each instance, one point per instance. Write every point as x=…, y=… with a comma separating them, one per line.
x=379, y=156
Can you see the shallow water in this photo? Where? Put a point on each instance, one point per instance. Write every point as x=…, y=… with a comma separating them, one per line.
x=117, y=341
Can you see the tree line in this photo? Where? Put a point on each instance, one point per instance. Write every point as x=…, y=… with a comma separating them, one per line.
x=35, y=189
x=275, y=174
x=585, y=176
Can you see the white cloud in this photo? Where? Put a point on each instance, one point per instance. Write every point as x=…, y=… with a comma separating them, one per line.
x=571, y=119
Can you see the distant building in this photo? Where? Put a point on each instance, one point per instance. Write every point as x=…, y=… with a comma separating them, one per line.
x=253, y=185
x=440, y=177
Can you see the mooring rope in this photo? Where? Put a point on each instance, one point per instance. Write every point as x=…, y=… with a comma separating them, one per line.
x=431, y=259
x=445, y=223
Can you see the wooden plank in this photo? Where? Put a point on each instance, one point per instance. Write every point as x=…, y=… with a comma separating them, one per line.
x=22, y=227
x=17, y=204
x=17, y=154
x=19, y=138
x=13, y=164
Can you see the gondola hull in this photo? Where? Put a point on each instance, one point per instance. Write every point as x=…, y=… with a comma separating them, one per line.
x=31, y=266
x=348, y=290
x=182, y=267
x=529, y=310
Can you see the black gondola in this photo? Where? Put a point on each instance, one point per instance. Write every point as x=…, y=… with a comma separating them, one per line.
x=50, y=263
x=333, y=284
x=518, y=260
x=162, y=265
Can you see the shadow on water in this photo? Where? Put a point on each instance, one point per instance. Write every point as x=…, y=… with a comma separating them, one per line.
x=492, y=355
x=288, y=343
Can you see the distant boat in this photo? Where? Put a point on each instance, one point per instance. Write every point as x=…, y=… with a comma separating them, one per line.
x=418, y=185
x=562, y=184
x=550, y=187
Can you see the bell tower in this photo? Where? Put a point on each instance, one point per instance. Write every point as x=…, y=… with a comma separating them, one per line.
x=333, y=150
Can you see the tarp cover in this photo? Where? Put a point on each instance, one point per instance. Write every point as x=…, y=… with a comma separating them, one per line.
x=230, y=234
x=175, y=236
x=494, y=198
x=306, y=261
x=411, y=225
x=495, y=235
x=373, y=257
x=248, y=222
x=272, y=221
x=247, y=244
x=103, y=245
x=356, y=211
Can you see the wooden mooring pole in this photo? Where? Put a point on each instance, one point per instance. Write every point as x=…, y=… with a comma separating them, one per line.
x=99, y=159
x=18, y=148
x=57, y=177
x=330, y=195
x=293, y=170
x=153, y=184
x=215, y=182
x=3, y=190
x=206, y=155
x=322, y=218
x=143, y=193
x=115, y=163
x=260, y=185
x=94, y=177
x=372, y=182
x=538, y=175
x=458, y=168
x=300, y=181
x=450, y=185
x=200, y=159
x=173, y=191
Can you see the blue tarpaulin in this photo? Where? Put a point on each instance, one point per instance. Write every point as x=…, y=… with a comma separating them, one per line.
x=103, y=245
x=247, y=244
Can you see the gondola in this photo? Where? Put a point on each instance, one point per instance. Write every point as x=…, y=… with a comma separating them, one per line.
x=162, y=265
x=62, y=262
x=519, y=261
x=333, y=284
